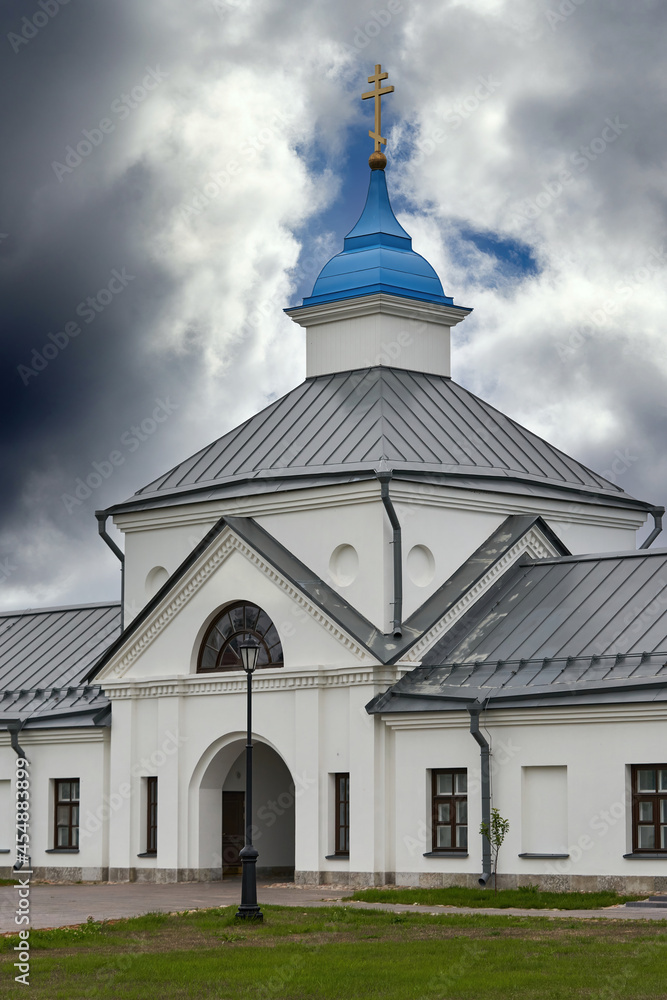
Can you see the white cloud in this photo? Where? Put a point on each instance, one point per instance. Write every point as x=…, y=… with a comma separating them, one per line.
x=242, y=147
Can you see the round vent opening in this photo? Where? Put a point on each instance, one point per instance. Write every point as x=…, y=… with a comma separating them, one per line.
x=157, y=577
x=421, y=565
x=344, y=565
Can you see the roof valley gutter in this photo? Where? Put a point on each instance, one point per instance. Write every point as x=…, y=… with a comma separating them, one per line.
x=396, y=628
x=485, y=754
x=102, y=516
x=658, y=513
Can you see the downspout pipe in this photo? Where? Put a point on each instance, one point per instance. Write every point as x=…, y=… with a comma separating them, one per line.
x=384, y=478
x=485, y=754
x=658, y=513
x=102, y=529
x=14, y=728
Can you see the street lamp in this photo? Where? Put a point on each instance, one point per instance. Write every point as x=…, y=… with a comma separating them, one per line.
x=249, y=909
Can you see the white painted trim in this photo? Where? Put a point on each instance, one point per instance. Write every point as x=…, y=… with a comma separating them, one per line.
x=545, y=716
x=194, y=685
x=218, y=551
x=208, y=512
x=380, y=302
x=430, y=494
x=38, y=737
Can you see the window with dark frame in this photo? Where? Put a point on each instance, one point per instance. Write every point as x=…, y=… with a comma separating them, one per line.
x=450, y=809
x=649, y=808
x=151, y=815
x=66, y=813
x=234, y=625
x=342, y=844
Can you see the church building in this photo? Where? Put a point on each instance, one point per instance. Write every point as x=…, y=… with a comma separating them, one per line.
x=453, y=617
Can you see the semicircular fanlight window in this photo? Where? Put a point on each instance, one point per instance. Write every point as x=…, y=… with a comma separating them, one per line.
x=236, y=624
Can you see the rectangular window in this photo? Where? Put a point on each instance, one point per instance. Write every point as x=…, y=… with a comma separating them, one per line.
x=450, y=810
x=151, y=815
x=342, y=802
x=649, y=808
x=67, y=813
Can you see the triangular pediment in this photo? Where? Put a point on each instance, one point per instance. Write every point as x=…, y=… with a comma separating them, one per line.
x=224, y=567
x=238, y=559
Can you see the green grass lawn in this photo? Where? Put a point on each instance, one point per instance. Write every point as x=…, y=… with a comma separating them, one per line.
x=338, y=953
x=527, y=898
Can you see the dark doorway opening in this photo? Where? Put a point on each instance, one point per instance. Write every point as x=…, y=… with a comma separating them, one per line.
x=233, y=832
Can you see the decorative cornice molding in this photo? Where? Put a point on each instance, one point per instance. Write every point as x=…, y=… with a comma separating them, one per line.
x=546, y=716
x=37, y=737
x=235, y=683
x=209, y=562
x=207, y=513
x=533, y=543
x=379, y=302
x=446, y=496
x=483, y=499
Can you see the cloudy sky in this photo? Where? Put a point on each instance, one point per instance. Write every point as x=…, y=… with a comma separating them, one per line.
x=175, y=174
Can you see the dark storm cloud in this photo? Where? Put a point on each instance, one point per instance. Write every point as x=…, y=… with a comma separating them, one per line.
x=80, y=292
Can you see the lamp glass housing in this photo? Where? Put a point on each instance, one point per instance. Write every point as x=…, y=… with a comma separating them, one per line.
x=249, y=654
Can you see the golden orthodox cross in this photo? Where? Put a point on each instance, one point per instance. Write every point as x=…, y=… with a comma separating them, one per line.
x=377, y=93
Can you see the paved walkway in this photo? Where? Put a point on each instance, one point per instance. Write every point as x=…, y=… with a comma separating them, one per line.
x=64, y=905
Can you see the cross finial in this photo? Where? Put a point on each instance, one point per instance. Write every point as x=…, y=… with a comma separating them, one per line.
x=378, y=160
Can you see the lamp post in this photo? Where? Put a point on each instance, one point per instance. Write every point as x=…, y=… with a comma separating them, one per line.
x=249, y=908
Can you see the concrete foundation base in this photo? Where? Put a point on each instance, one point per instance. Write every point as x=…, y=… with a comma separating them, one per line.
x=624, y=884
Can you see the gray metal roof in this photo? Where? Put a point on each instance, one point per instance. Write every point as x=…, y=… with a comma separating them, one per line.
x=344, y=424
x=592, y=627
x=589, y=605
x=44, y=654
x=54, y=708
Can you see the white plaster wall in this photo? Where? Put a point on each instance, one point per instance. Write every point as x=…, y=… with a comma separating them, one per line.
x=7, y=824
x=202, y=742
x=583, y=538
x=597, y=755
x=145, y=550
x=58, y=759
x=416, y=754
x=313, y=535
x=378, y=339
x=451, y=536
x=450, y=522
x=544, y=827
x=173, y=652
x=315, y=731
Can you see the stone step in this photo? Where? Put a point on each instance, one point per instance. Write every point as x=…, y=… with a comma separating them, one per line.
x=654, y=902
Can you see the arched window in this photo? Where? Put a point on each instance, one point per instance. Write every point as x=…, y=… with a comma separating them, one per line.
x=238, y=622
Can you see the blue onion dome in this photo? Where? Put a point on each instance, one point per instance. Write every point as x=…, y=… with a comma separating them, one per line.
x=377, y=256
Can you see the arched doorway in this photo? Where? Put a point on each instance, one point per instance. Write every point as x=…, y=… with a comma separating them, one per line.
x=221, y=811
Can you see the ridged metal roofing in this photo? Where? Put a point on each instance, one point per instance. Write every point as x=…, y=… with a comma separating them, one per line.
x=597, y=605
x=346, y=423
x=589, y=628
x=55, y=707
x=53, y=647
